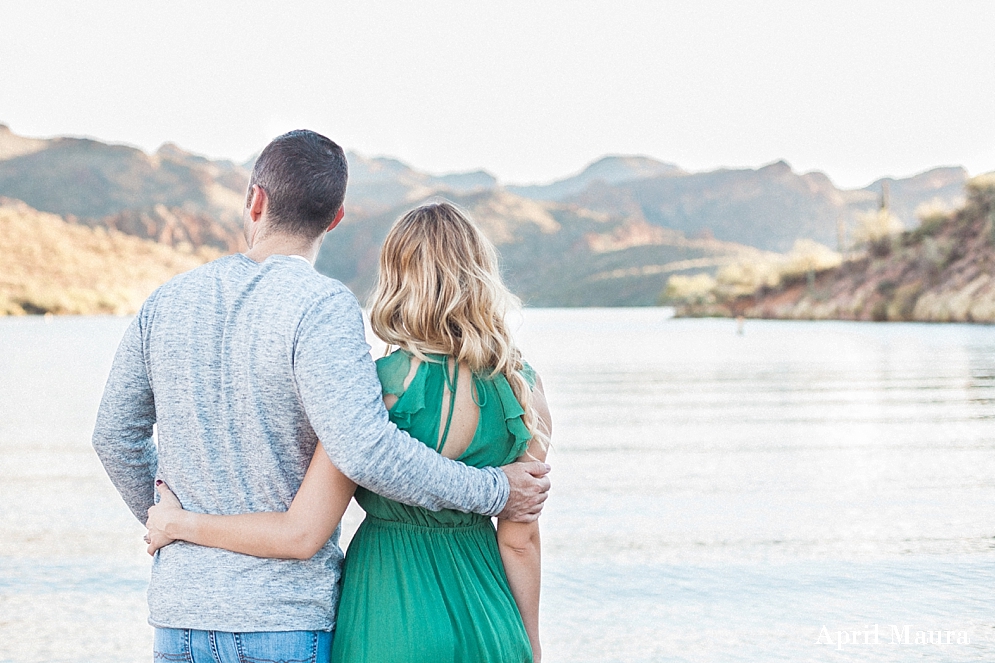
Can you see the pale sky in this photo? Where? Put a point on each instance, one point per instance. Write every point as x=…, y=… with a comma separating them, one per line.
x=528, y=90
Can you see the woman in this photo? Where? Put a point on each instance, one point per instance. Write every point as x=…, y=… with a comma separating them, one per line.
x=421, y=585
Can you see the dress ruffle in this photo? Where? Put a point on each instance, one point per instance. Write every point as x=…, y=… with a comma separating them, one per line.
x=513, y=419
x=411, y=401
x=392, y=370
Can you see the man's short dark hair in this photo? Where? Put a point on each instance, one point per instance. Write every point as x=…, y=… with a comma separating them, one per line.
x=304, y=176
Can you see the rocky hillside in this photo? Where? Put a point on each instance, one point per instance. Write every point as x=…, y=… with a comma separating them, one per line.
x=171, y=196
x=48, y=265
x=943, y=271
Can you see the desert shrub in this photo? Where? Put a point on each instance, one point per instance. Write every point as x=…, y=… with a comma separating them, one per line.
x=932, y=257
x=981, y=199
x=903, y=301
x=931, y=221
x=805, y=257
x=955, y=251
x=886, y=287
x=696, y=289
x=748, y=275
x=808, y=256
x=879, y=313
x=745, y=277
x=981, y=187
x=881, y=248
x=875, y=227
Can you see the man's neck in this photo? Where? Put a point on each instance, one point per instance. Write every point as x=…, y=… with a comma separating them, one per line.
x=285, y=245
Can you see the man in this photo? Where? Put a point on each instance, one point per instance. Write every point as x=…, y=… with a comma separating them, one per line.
x=243, y=365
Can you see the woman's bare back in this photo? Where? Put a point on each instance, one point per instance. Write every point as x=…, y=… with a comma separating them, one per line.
x=465, y=413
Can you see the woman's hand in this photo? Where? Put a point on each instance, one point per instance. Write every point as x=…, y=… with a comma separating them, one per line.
x=162, y=516
x=297, y=533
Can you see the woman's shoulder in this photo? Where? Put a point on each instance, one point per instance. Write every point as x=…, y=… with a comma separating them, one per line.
x=528, y=373
x=502, y=422
x=392, y=371
x=395, y=369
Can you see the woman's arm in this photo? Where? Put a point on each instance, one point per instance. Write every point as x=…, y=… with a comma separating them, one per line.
x=297, y=533
x=519, y=542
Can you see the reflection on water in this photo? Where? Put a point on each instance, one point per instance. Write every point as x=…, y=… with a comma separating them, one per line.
x=717, y=496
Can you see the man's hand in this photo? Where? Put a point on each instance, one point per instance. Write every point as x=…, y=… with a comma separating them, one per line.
x=529, y=489
x=161, y=517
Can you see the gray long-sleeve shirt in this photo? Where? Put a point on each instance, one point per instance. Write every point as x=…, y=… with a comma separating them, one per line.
x=243, y=367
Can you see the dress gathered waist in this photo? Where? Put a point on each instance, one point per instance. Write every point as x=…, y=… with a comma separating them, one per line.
x=481, y=523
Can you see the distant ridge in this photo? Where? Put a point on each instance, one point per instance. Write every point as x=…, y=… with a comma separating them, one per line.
x=379, y=183
x=89, y=179
x=768, y=207
x=608, y=170
x=12, y=145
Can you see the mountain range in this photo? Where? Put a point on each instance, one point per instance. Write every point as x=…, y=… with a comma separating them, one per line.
x=609, y=235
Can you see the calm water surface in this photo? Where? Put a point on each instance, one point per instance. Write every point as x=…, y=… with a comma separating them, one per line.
x=718, y=497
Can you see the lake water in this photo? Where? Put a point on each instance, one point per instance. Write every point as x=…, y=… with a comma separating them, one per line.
x=717, y=497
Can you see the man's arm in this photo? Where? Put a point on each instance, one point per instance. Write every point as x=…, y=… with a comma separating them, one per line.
x=338, y=386
x=122, y=437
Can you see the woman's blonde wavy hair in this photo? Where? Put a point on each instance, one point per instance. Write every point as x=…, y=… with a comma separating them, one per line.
x=439, y=291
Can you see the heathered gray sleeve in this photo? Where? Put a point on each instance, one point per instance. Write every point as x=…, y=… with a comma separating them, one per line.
x=122, y=436
x=338, y=385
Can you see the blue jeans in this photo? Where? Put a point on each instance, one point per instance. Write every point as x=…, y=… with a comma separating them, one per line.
x=190, y=646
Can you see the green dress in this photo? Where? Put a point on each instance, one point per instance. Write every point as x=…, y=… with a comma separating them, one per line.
x=429, y=586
